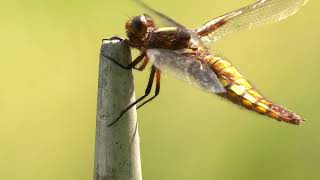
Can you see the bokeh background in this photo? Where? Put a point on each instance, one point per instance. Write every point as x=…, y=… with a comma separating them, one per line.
x=48, y=86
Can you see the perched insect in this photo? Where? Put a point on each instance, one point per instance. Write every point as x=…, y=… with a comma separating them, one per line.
x=185, y=53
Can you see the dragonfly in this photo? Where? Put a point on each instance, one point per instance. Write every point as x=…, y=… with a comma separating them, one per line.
x=186, y=54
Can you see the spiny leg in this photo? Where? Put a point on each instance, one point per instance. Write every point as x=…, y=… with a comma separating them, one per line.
x=112, y=38
x=157, y=91
x=147, y=92
x=144, y=64
x=129, y=66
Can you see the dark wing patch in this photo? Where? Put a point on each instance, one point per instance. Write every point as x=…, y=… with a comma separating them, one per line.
x=261, y=12
x=186, y=67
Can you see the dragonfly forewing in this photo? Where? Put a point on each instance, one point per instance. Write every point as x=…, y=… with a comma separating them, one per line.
x=261, y=12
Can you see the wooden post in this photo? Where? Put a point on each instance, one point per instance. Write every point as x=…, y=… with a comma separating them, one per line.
x=117, y=150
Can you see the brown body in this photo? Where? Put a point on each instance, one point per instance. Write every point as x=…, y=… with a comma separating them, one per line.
x=146, y=36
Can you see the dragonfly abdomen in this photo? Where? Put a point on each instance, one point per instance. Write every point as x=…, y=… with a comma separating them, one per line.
x=241, y=92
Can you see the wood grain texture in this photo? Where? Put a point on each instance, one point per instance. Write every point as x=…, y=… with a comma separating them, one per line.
x=117, y=150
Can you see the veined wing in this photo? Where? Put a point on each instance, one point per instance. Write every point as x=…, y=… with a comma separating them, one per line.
x=165, y=19
x=186, y=67
x=261, y=12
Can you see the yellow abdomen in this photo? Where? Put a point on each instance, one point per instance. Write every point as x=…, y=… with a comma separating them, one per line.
x=241, y=92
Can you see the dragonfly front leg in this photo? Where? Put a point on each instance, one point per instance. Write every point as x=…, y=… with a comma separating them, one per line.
x=144, y=64
x=129, y=66
x=132, y=65
x=147, y=92
x=113, y=38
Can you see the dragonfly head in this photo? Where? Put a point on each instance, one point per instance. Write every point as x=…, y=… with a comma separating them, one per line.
x=138, y=27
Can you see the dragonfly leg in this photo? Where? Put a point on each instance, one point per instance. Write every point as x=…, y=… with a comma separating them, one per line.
x=144, y=64
x=113, y=38
x=147, y=92
x=129, y=66
x=157, y=91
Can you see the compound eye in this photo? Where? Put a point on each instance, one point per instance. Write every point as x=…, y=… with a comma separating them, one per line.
x=138, y=26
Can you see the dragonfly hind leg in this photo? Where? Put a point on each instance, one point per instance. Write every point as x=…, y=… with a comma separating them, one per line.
x=157, y=91
x=147, y=92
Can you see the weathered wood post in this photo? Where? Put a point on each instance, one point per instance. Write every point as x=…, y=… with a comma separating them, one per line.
x=117, y=149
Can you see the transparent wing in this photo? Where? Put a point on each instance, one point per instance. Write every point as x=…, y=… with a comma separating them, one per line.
x=261, y=12
x=185, y=67
x=167, y=21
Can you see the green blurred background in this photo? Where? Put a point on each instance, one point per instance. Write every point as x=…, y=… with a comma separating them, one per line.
x=48, y=74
